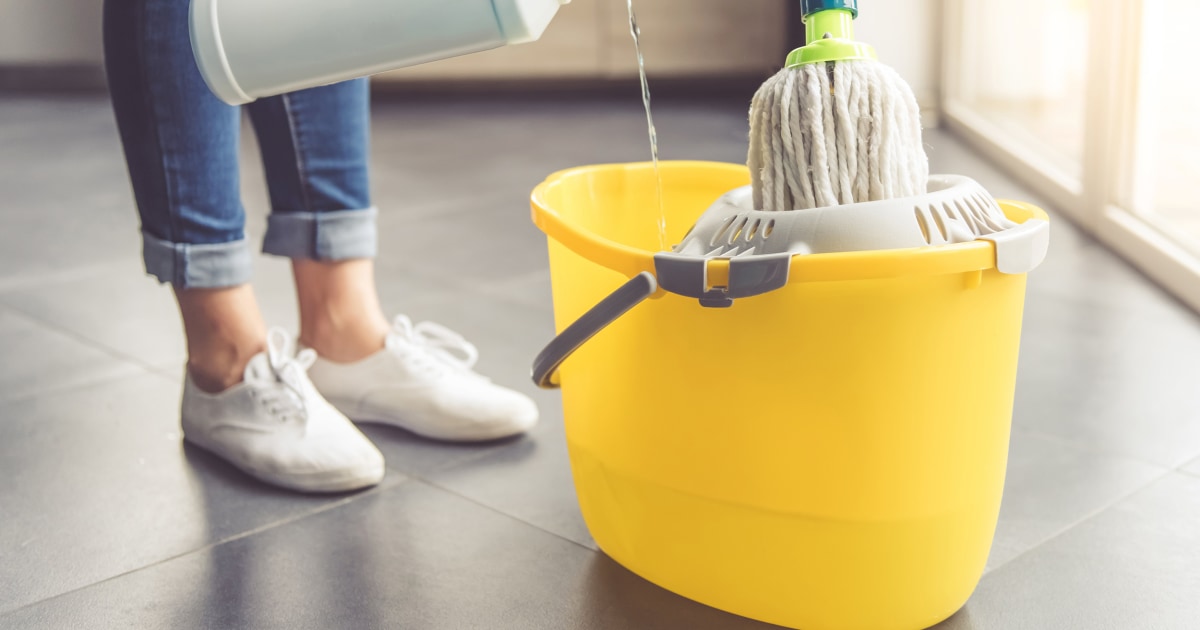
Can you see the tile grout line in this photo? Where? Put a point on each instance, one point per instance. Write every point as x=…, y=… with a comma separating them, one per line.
x=473, y=457
x=70, y=387
x=437, y=486
x=477, y=287
x=1062, y=441
x=1085, y=518
x=164, y=371
x=95, y=345
x=143, y=370
x=14, y=284
x=383, y=487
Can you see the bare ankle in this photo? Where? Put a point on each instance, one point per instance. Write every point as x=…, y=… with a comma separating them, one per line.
x=340, y=316
x=224, y=331
x=218, y=363
x=216, y=373
x=343, y=340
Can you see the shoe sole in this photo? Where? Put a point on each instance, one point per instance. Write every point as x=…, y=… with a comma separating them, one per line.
x=493, y=433
x=498, y=432
x=488, y=436
x=313, y=483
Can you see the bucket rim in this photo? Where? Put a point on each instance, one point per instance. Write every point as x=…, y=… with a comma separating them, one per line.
x=975, y=256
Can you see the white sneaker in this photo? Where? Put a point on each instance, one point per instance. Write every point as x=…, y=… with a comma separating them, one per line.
x=277, y=428
x=422, y=381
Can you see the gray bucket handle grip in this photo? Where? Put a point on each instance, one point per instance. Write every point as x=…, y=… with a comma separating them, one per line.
x=632, y=293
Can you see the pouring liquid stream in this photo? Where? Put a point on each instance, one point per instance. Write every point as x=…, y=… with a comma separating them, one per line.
x=637, y=44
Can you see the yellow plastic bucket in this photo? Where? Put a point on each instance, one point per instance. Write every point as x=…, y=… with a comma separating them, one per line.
x=827, y=455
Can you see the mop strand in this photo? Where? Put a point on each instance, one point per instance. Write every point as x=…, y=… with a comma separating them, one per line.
x=825, y=134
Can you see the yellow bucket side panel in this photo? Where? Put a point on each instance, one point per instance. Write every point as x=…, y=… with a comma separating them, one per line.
x=832, y=399
x=796, y=571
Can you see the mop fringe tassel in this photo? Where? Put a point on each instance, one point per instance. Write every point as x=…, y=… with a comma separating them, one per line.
x=824, y=134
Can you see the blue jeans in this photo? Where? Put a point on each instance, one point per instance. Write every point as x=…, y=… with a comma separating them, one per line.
x=181, y=148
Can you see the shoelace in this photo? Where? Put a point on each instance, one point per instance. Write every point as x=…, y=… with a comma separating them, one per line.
x=287, y=403
x=444, y=344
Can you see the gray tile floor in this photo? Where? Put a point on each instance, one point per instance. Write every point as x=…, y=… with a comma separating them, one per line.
x=107, y=521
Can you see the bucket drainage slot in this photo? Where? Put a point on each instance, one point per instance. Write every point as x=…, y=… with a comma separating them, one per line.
x=940, y=222
x=738, y=232
x=721, y=232
x=753, y=229
x=922, y=222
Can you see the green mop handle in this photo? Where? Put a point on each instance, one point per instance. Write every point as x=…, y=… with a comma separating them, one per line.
x=829, y=33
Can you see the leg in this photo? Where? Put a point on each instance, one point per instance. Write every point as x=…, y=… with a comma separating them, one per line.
x=246, y=398
x=314, y=144
x=418, y=377
x=181, y=145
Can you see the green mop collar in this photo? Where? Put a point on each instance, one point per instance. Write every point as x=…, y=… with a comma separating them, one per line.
x=829, y=33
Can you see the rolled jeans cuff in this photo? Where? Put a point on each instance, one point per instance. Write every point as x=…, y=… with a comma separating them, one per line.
x=197, y=266
x=337, y=235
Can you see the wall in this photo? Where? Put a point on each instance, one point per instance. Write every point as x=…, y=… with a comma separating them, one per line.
x=589, y=39
x=683, y=37
x=687, y=38
x=50, y=32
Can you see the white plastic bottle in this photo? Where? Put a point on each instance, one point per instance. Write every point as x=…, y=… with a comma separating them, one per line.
x=248, y=49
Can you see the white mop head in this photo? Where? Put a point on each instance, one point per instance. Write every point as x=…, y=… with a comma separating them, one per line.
x=814, y=143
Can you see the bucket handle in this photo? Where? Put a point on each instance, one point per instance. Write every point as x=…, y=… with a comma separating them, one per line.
x=1018, y=250
x=682, y=275
x=632, y=293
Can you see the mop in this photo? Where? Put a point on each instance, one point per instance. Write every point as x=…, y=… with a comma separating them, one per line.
x=835, y=126
x=837, y=165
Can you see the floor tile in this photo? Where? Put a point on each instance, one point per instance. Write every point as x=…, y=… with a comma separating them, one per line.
x=173, y=371
x=439, y=150
x=410, y=557
x=35, y=358
x=75, y=214
x=1078, y=268
x=488, y=240
x=96, y=483
x=529, y=480
x=1051, y=486
x=123, y=310
x=1114, y=380
x=531, y=290
x=1136, y=565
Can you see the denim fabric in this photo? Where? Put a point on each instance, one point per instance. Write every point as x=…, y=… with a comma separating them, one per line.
x=181, y=149
x=333, y=235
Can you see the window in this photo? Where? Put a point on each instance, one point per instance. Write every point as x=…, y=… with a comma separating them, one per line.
x=1096, y=105
x=1165, y=189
